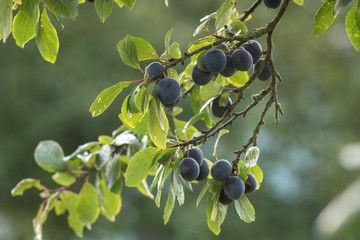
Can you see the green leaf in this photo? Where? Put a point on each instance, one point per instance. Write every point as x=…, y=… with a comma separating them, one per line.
x=144, y=189
x=106, y=97
x=104, y=8
x=87, y=147
x=139, y=100
x=127, y=50
x=178, y=188
x=167, y=39
x=25, y=184
x=221, y=133
x=165, y=156
x=195, y=45
x=223, y=14
x=163, y=176
x=339, y=5
x=87, y=206
x=202, y=27
x=170, y=203
x=210, y=90
x=132, y=119
x=41, y=216
x=63, y=178
x=174, y=50
x=158, y=125
x=202, y=193
x=128, y=3
x=167, y=3
x=139, y=166
x=75, y=222
x=140, y=126
x=49, y=156
x=251, y=157
x=60, y=207
x=181, y=131
x=237, y=27
x=112, y=173
x=46, y=38
x=125, y=138
x=299, y=2
x=6, y=18
x=238, y=79
x=110, y=203
x=352, y=24
x=144, y=49
x=245, y=210
x=195, y=99
x=103, y=156
x=103, y=139
x=24, y=28
x=63, y=8
x=257, y=172
x=214, y=208
x=324, y=18
x=30, y=8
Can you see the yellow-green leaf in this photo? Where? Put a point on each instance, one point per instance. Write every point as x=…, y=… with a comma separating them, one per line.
x=352, y=24
x=324, y=18
x=25, y=184
x=238, y=79
x=110, y=203
x=104, y=8
x=87, y=206
x=6, y=18
x=24, y=28
x=46, y=38
x=158, y=125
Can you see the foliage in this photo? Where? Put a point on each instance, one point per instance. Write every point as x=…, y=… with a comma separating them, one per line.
x=145, y=145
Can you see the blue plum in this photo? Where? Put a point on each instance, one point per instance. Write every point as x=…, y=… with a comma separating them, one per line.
x=272, y=3
x=234, y=187
x=254, y=48
x=223, y=199
x=168, y=90
x=195, y=153
x=221, y=170
x=229, y=69
x=250, y=183
x=200, y=77
x=214, y=60
x=204, y=171
x=154, y=68
x=171, y=105
x=217, y=110
x=265, y=73
x=189, y=169
x=241, y=59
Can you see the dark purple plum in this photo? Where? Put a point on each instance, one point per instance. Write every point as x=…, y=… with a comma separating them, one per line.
x=221, y=170
x=234, y=187
x=214, y=60
x=272, y=3
x=168, y=91
x=223, y=199
x=217, y=110
x=189, y=169
x=254, y=48
x=154, y=68
x=200, y=77
x=241, y=59
x=171, y=105
x=265, y=73
x=195, y=153
x=204, y=171
x=250, y=183
x=229, y=69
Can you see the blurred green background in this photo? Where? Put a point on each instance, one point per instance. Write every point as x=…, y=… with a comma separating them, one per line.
x=319, y=94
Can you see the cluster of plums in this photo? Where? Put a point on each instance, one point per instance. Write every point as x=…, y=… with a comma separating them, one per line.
x=194, y=167
x=167, y=89
x=220, y=61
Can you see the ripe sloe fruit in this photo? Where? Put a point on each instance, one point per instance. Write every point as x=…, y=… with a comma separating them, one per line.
x=234, y=187
x=272, y=3
x=168, y=90
x=171, y=105
x=265, y=73
x=217, y=110
x=229, y=69
x=223, y=199
x=250, y=183
x=241, y=59
x=195, y=153
x=204, y=171
x=221, y=170
x=215, y=60
x=154, y=68
x=200, y=77
x=189, y=169
x=223, y=45
x=254, y=48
